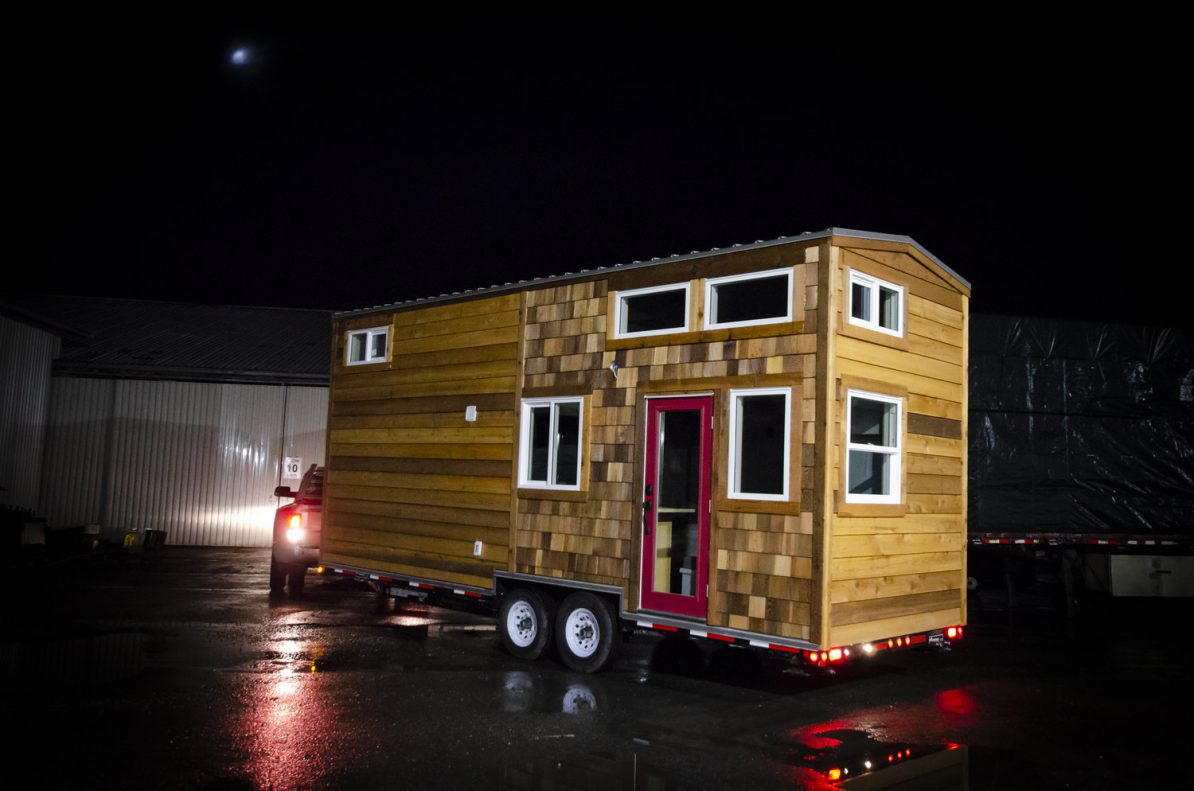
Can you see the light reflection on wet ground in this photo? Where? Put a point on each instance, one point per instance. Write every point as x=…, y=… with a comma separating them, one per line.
x=219, y=688
x=285, y=723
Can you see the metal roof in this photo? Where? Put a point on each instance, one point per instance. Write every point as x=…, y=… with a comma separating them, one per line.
x=140, y=339
x=695, y=254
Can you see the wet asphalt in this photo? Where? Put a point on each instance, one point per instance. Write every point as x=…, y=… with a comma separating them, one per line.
x=174, y=668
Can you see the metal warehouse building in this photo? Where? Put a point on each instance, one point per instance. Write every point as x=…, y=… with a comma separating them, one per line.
x=154, y=415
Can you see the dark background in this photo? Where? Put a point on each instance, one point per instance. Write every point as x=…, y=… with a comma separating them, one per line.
x=1043, y=159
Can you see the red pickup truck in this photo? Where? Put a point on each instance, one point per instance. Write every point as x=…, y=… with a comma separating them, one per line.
x=296, y=533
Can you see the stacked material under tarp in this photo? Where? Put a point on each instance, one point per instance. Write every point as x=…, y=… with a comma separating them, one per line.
x=1080, y=427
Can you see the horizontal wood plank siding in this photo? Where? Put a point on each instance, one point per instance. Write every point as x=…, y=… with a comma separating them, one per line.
x=892, y=574
x=411, y=484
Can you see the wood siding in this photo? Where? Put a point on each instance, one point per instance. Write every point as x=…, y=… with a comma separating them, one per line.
x=895, y=569
x=760, y=574
x=411, y=484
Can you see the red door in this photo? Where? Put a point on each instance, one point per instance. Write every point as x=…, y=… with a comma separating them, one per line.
x=676, y=505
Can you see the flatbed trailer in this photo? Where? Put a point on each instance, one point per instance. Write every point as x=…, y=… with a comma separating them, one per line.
x=761, y=445
x=1082, y=456
x=438, y=593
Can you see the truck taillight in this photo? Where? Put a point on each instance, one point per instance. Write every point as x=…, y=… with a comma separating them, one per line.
x=295, y=533
x=954, y=633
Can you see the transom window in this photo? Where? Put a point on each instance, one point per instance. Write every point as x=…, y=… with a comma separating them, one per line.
x=652, y=311
x=760, y=443
x=367, y=346
x=876, y=304
x=872, y=448
x=743, y=300
x=549, y=449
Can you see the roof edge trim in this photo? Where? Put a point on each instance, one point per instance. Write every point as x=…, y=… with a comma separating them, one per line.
x=541, y=282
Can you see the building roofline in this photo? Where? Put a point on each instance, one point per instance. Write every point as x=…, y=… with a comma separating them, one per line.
x=94, y=370
x=33, y=319
x=694, y=255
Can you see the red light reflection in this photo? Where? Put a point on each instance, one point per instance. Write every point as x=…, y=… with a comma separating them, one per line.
x=810, y=735
x=285, y=728
x=956, y=701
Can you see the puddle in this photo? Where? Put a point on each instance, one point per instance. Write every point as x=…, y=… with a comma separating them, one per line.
x=527, y=691
x=72, y=662
x=830, y=756
x=413, y=627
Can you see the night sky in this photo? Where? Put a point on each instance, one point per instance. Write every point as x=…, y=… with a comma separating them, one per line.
x=1045, y=162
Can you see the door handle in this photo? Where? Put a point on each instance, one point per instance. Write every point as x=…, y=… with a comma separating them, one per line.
x=646, y=517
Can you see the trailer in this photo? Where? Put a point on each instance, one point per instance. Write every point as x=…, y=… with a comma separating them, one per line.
x=1082, y=457
x=761, y=445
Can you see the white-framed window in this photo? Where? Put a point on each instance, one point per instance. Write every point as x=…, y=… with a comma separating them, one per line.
x=549, y=446
x=760, y=443
x=657, y=310
x=745, y=300
x=873, y=447
x=876, y=304
x=367, y=346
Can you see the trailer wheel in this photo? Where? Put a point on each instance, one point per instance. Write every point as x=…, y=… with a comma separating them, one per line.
x=525, y=623
x=277, y=576
x=298, y=575
x=586, y=632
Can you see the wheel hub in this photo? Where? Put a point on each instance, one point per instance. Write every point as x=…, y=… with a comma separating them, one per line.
x=521, y=624
x=583, y=633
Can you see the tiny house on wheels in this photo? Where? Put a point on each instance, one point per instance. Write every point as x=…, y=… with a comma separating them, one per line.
x=762, y=445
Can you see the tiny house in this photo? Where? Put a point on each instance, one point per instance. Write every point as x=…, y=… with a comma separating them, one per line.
x=763, y=445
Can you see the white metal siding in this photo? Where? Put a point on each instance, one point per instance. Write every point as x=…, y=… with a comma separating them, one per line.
x=26, y=355
x=306, y=423
x=72, y=487
x=198, y=460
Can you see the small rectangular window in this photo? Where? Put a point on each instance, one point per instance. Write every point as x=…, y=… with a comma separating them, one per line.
x=744, y=300
x=367, y=346
x=872, y=448
x=550, y=449
x=876, y=304
x=760, y=443
x=652, y=311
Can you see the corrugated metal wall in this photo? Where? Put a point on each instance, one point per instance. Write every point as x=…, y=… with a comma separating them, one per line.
x=198, y=460
x=26, y=354
x=306, y=421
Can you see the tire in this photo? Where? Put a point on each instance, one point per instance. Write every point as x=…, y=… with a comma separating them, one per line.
x=298, y=575
x=525, y=623
x=586, y=632
x=277, y=576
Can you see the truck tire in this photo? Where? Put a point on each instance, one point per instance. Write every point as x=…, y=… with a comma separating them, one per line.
x=277, y=576
x=586, y=632
x=298, y=575
x=524, y=621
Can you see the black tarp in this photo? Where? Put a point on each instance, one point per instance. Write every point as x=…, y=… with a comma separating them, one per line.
x=1080, y=427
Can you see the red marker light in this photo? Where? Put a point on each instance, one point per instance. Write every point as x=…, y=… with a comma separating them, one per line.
x=951, y=632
